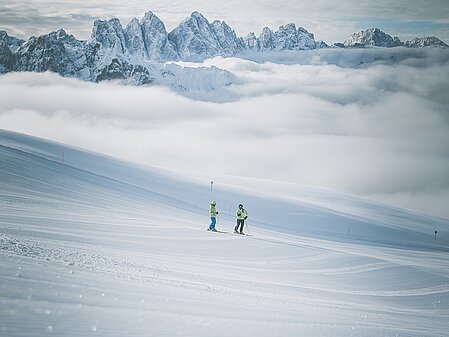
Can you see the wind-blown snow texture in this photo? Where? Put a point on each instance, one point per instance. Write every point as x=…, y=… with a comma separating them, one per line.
x=136, y=53
x=95, y=246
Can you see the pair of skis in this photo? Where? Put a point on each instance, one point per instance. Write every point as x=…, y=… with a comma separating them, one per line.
x=223, y=232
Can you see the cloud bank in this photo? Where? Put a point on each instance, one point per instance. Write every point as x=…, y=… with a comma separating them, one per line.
x=380, y=130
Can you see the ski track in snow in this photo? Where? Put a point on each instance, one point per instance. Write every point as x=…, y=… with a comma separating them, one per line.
x=94, y=246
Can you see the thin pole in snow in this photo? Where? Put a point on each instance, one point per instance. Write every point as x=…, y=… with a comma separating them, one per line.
x=435, y=235
x=211, y=184
x=62, y=156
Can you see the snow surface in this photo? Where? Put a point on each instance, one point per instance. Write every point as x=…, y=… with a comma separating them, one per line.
x=96, y=246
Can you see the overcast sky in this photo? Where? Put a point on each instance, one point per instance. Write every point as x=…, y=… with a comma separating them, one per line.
x=380, y=131
x=331, y=21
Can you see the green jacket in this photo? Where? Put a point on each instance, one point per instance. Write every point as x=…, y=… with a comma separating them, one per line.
x=213, y=211
x=241, y=214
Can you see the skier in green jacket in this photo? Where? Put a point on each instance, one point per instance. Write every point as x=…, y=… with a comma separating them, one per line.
x=213, y=216
x=242, y=215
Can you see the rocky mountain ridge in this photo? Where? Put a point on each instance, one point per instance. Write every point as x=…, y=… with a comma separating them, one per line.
x=140, y=53
x=374, y=37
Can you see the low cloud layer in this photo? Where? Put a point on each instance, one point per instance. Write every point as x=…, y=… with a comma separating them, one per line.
x=381, y=130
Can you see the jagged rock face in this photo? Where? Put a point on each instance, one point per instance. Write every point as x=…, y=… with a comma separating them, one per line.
x=229, y=42
x=11, y=42
x=135, y=54
x=156, y=39
x=110, y=34
x=290, y=38
x=144, y=40
x=250, y=41
x=266, y=40
x=122, y=70
x=321, y=44
x=135, y=43
x=195, y=38
x=6, y=59
x=420, y=42
x=372, y=37
x=57, y=52
x=287, y=37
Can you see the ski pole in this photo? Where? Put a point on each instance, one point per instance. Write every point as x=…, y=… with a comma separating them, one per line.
x=216, y=217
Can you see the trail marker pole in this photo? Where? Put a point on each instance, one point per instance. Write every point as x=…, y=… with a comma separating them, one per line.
x=211, y=184
x=435, y=235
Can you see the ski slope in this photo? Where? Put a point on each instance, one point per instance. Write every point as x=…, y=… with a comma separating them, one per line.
x=93, y=246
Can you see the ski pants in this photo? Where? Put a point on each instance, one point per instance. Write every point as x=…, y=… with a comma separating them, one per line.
x=240, y=223
x=213, y=221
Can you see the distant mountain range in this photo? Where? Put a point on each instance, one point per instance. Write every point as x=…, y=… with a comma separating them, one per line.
x=138, y=53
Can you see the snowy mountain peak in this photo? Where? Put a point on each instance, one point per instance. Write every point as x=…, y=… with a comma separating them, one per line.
x=198, y=16
x=155, y=37
x=195, y=39
x=420, y=42
x=8, y=46
x=134, y=39
x=250, y=41
x=372, y=37
x=287, y=37
x=110, y=34
x=266, y=39
x=10, y=41
x=56, y=51
x=227, y=38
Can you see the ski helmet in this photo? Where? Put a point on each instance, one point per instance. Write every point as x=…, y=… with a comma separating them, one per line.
x=213, y=203
x=240, y=206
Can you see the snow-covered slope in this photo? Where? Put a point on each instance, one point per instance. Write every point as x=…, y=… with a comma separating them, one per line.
x=91, y=245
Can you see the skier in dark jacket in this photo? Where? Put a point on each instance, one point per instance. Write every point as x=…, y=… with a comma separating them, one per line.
x=242, y=215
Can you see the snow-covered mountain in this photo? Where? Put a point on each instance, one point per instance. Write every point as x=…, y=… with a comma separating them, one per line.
x=372, y=37
x=10, y=41
x=196, y=39
x=149, y=39
x=287, y=37
x=57, y=52
x=420, y=42
x=106, y=57
x=90, y=245
x=136, y=54
x=8, y=46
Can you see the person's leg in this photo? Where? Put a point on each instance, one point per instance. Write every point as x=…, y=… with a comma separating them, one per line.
x=239, y=225
x=242, y=223
x=212, y=223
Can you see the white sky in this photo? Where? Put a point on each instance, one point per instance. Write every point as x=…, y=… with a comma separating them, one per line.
x=331, y=21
